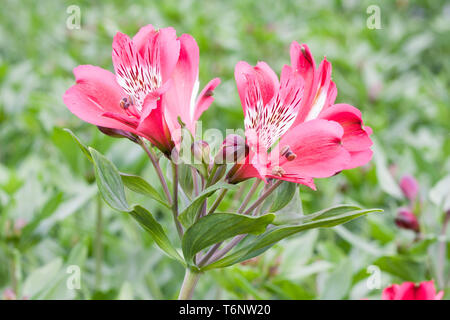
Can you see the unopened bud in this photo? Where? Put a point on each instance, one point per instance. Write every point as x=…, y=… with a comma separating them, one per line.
x=117, y=133
x=233, y=149
x=410, y=187
x=407, y=220
x=201, y=151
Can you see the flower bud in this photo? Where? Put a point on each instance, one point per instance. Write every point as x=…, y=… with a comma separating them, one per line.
x=407, y=220
x=117, y=133
x=201, y=151
x=410, y=187
x=233, y=149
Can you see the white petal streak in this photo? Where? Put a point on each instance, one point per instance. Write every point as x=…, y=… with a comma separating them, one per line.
x=271, y=121
x=136, y=76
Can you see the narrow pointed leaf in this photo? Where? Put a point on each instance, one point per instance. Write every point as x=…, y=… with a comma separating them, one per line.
x=283, y=195
x=80, y=144
x=146, y=220
x=188, y=216
x=272, y=236
x=326, y=213
x=139, y=185
x=218, y=227
x=109, y=182
x=132, y=182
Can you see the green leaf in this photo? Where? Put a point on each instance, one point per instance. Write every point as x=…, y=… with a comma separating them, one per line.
x=80, y=144
x=132, y=182
x=325, y=213
x=185, y=178
x=440, y=193
x=48, y=209
x=283, y=195
x=109, y=182
x=188, y=216
x=218, y=227
x=292, y=212
x=406, y=269
x=146, y=220
x=385, y=179
x=41, y=278
x=272, y=236
x=338, y=282
x=139, y=185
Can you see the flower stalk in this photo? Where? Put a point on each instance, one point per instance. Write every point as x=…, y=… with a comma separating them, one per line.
x=153, y=159
x=189, y=283
x=175, y=200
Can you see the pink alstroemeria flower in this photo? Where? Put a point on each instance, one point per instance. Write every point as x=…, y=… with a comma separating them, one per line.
x=318, y=103
x=138, y=98
x=410, y=291
x=295, y=120
x=277, y=148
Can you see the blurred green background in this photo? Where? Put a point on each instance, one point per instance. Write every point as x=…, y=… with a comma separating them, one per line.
x=398, y=76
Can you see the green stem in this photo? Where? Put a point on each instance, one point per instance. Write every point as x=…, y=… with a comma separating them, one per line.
x=263, y=197
x=15, y=271
x=155, y=163
x=211, y=175
x=14, y=282
x=249, y=196
x=189, y=284
x=175, y=200
x=98, y=243
x=218, y=200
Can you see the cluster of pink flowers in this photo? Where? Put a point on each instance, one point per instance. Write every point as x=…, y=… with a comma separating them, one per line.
x=293, y=129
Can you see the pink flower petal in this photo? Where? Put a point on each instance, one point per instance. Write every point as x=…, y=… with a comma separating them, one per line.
x=155, y=128
x=205, y=98
x=261, y=75
x=303, y=62
x=100, y=86
x=95, y=94
x=426, y=291
x=318, y=103
x=355, y=137
x=359, y=158
x=406, y=291
x=390, y=293
x=142, y=37
x=177, y=100
x=169, y=51
x=318, y=148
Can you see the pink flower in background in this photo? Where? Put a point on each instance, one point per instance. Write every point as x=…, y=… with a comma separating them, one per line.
x=405, y=219
x=9, y=294
x=410, y=291
x=153, y=85
x=410, y=187
x=293, y=130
